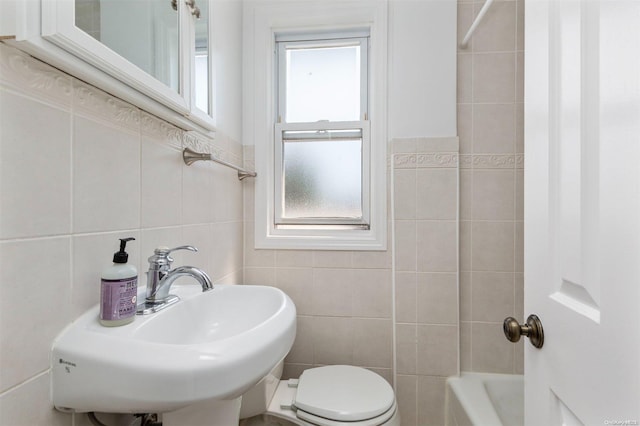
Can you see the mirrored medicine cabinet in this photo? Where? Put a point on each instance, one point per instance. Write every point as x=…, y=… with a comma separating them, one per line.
x=155, y=54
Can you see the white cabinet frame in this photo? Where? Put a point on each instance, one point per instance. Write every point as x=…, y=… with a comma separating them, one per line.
x=46, y=30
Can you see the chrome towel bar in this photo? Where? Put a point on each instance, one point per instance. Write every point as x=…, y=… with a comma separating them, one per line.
x=190, y=156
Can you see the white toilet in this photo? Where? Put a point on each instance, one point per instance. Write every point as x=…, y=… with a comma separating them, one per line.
x=335, y=395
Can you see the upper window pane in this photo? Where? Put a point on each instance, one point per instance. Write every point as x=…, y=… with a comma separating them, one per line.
x=323, y=83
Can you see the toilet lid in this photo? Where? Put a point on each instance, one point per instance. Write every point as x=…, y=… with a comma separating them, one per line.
x=343, y=393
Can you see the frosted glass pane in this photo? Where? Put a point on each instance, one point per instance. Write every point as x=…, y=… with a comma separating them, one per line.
x=323, y=84
x=323, y=179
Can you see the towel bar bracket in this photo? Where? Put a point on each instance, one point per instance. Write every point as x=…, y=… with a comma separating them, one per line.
x=190, y=156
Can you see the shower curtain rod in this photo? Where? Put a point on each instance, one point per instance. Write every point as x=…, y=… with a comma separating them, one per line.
x=190, y=156
x=483, y=11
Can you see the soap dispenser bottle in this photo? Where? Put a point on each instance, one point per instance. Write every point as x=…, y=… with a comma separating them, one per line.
x=119, y=290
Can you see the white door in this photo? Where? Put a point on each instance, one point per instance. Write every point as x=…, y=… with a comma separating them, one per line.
x=582, y=211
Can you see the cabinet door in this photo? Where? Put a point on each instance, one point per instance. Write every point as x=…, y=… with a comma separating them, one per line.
x=137, y=42
x=200, y=61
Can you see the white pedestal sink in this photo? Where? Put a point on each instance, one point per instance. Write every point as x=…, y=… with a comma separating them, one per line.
x=209, y=346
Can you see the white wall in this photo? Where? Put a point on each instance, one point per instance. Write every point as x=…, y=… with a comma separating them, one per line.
x=422, y=68
x=227, y=51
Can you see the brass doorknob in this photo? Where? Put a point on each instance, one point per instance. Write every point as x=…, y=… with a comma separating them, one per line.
x=532, y=329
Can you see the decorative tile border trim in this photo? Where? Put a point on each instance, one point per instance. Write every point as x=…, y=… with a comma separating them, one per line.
x=452, y=160
x=25, y=73
x=201, y=143
x=441, y=153
x=426, y=160
x=103, y=106
x=222, y=147
x=492, y=161
x=34, y=77
x=159, y=129
x=519, y=161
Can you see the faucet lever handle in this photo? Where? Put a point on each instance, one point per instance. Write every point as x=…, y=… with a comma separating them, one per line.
x=161, y=254
x=168, y=250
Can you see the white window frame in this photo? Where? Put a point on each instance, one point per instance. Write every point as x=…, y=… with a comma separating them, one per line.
x=323, y=128
x=271, y=18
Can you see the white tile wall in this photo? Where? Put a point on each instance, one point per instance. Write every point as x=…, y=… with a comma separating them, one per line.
x=34, y=304
x=160, y=174
x=426, y=282
x=106, y=184
x=28, y=405
x=78, y=170
x=37, y=178
x=490, y=119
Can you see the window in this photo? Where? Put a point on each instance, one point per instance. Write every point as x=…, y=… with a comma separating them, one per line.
x=315, y=110
x=322, y=135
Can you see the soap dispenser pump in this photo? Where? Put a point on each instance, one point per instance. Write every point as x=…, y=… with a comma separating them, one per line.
x=119, y=289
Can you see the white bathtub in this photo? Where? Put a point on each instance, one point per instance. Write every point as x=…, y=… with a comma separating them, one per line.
x=482, y=399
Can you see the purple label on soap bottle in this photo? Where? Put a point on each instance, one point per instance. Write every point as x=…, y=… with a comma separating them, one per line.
x=118, y=298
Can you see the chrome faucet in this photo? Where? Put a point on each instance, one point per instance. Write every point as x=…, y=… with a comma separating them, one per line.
x=160, y=277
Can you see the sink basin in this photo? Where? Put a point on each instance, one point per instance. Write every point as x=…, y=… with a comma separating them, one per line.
x=212, y=345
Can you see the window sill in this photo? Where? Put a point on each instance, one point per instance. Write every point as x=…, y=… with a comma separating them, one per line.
x=325, y=239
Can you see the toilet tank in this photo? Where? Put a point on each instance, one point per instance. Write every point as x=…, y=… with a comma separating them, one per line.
x=256, y=400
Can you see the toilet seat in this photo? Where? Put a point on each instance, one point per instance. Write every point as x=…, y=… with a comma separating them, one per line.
x=332, y=395
x=321, y=421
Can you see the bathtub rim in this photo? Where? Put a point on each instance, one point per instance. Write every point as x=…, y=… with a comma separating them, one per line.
x=469, y=390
